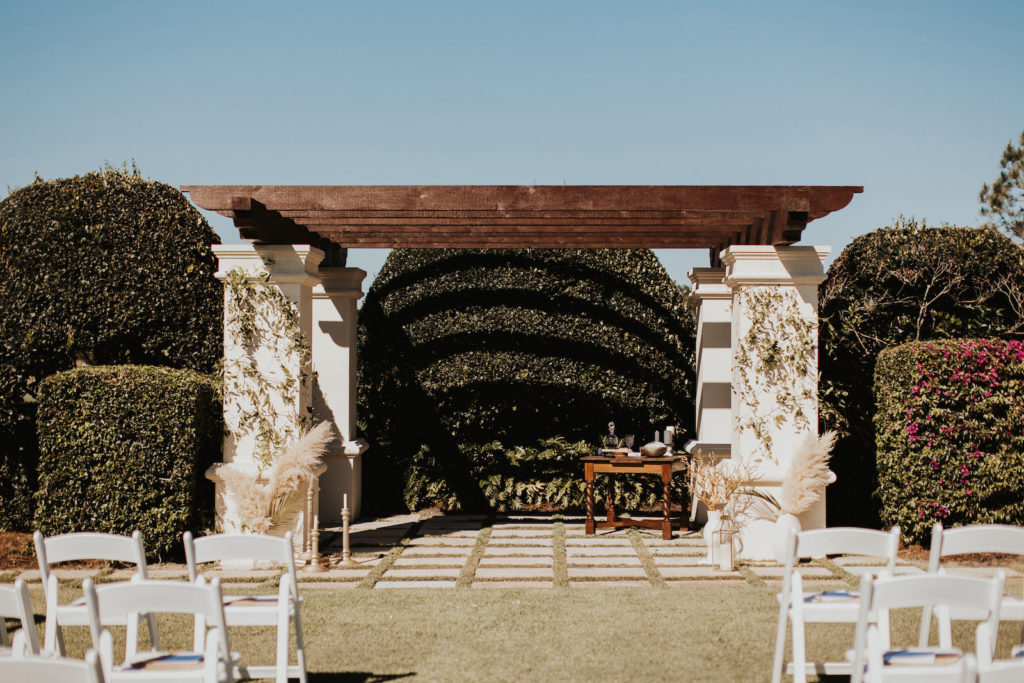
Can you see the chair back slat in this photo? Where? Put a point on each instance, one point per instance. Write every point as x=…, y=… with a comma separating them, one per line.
x=848, y=541
x=221, y=547
x=167, y=597
x=15, y=603
x=956, y=591
x=95, y=546
x=983, y=538
x=52, y=670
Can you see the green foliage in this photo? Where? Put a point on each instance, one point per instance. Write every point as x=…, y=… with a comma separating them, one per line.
x=125, y=447
x=107, y=268
x=548, y=475
x=473, y=346
x=950, y=434
x=890, y=286
x=1004, y=199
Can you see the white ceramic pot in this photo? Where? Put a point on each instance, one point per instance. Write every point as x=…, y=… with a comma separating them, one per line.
x=780, y=536
x=710, y=527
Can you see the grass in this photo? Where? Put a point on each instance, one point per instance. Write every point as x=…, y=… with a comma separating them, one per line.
x=691, y=632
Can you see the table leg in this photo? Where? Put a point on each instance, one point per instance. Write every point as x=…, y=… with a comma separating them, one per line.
x=611, y=498
x=666, y=503
x=588, y=474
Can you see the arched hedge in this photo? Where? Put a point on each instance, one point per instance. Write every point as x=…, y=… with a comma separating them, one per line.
x=474, y=346
x=900, y=284
x=103, y=268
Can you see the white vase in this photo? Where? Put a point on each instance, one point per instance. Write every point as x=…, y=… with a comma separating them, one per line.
x=711, y=526
x=785, y=524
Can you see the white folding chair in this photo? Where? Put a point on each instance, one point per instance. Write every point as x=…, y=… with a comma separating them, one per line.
x=16, y=604
x=875, y=660
x=87, y=546
x=800, y=608
x=268, y=610
x=52, y=670
x=978, y=538
x=209, y=661
x=997, y=671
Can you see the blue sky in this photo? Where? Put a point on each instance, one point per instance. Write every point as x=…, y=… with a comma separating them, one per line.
x=913, y=100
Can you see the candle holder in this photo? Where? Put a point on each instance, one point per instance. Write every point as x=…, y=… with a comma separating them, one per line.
x=346, y=550
x=723, y=545
x=313, y=555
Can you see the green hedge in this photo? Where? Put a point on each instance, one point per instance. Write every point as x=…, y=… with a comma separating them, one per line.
x=464, y=347
x=950, y=426
x=106, y=267
x=124, y=448
x=891, y=286
x=548, y=475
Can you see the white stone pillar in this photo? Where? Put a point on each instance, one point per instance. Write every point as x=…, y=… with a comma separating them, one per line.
x=290, y=270
x=774, y=366
x=713, y=438
x=334, y=393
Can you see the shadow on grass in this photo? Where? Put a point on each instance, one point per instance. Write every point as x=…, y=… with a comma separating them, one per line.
x=355, y=677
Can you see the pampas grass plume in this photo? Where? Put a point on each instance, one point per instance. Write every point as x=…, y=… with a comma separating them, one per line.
x=808, y=474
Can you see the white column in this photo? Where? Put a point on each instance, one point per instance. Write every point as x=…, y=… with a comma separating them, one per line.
x=713, y=438
x=292, y=271
x=334, y=393
x=774, y=343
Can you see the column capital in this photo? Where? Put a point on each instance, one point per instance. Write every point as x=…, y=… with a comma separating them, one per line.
x=709, y=283
x=339, y=283
x=286, y=263
x=768, y=265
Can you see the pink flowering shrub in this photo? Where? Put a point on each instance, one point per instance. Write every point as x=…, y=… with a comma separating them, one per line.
x=949, y=429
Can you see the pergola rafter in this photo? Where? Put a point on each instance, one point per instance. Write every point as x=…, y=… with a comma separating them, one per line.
x=490, y=216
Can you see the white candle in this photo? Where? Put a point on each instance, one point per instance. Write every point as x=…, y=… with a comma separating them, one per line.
x=344, y=501
x=670, y=433
x=656, y=435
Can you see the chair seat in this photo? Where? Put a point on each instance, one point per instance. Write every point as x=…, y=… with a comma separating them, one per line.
x=165, y=661
x=921, y=656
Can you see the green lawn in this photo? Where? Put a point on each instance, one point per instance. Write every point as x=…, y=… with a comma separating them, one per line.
x=696, y=632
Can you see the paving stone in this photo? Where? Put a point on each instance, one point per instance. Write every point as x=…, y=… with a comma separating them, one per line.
x=512, y=585
x=442, y=541
x=586, y=551
x=986, y=572
x=414, y=560
x=392, y=574
x=625, y=583
x=599, y=541
x=444, y=533
x=461, y=551
x=514, y=573
x=520, y=533
x=517, y=551
x=677, y=551
x=510, y=561
x=451, y=525
x=606, y=572
x=778, y=571
x=903, y=570
x=329, y=585
x=512, y=540
x=414, y=584
x=695, y=572
x=677, y=560
x=334, y=561
x=859, y=560
x=591, y=560
x=337, y=575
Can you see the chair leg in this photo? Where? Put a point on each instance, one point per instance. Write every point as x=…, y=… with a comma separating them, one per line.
x=282, y=653
x=300, y=648
x=799, y=650
x=780, y=645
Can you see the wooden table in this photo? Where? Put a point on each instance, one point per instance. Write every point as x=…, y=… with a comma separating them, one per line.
x=620, y=464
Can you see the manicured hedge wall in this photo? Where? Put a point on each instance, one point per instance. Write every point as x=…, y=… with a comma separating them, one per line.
x=891, y=286
x=124, y=448
x=106, y=267
x=950, y=427
x=473, y=346
x=548, y=474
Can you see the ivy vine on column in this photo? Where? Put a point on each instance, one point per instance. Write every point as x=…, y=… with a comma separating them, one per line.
x=264, y=322
x=775, y=365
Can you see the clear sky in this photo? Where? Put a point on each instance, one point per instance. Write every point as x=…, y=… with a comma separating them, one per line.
x=913, y=100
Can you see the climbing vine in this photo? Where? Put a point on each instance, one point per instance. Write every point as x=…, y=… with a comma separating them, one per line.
x=259, y=372
x=774, y=369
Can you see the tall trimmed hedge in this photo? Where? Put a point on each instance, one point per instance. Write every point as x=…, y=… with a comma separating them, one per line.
x=108, y=268
x=516, y=345
x=950, y=427
x=125, y=447
x=891, y=286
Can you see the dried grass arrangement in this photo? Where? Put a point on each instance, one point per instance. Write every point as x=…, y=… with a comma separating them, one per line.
x=716, y=484
x=808, y=474
x=262, y=498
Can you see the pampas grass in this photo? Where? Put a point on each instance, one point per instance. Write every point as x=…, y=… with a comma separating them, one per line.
x=808, y=474
x=715, y=484
x=262, y=499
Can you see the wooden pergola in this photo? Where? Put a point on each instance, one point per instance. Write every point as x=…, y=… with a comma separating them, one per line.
x=512, y=216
